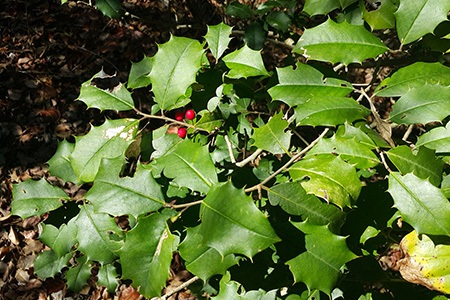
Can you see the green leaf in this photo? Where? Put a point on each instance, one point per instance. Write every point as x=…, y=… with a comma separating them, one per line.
x=147, y=253
x=413, y=76
x=175, y=67
x=319, y=267
x=59, y=240
x=417, y=18
x=272, y=136
x=244, y=63
x=437, y=139
x=446, y=186
x=202, y=260
x=320, y=7
x=328, y=177
x=208, y=121
x=329, y=111
x=218, y=38
x=139, y=72
x=78, y=276
x=225, y=228
x=423, y=163
x=239, y=10
x=348, y=131
x=345, y=3
x=118, y=196
x=279, y=20
x=48, y=263
x=294, y=200
x=382, y=17
x=96, y=234
x=35, y=197
x=190, y=165
x=107, y=141
x=424, y=262
x=255, y=35
x=110, y=8
x=305, y=82
x=107, y=276
x=59, y=164
x=421, y=204
x=333, y=42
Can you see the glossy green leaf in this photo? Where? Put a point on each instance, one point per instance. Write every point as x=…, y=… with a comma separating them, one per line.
x=224, y=227
x=328, y=177
x=381, y=18
x=107, y=141
x=423, y=163
x=190, y=165
x=279, y=20
x=164, y=143
x=202, y=260
x=320, y=7
x=59, y=165
x=209, y=121
x=345, y=3
x=294, y=200
x=446, y=186
x=305, y=82
x=48, y=263
x=343, y=42
x=110, y=8
x=147, y=253
x=319, y=267
x=272, y=136
x=174, y=70
x=97, y=235
x=118, y=196
x=107, y=276
x=218, y=38
x=348, y=131
x=35, y=197
x=78, y=276
x=59, y=240
x=139, y=72
x=255, y=36
x=329, y=111
x=244, y=63
x=239, y=10
x=437, y=139
x=425, y=262
x=421, y=204
x=419, y=17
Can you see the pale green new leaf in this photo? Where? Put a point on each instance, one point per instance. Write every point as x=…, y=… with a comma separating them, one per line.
x=445, y=187
x=328, y=177
x=35, y=197
x=107, y=141
x=381, y=18
x=294, y=200
x=107, y=276
x=272, y=136
x=343, y=42
x=97, y=235
x=117, y=99
x=116, y=195
x=305, y=82
x=419, y=17
x=174, y=70
x=48, y=263
x=218, y=38
x=420, y=203
x=190, y=165
x=147, y=253
x=437, y=139
x=78, y=276
x=423, y=163
x=329, y=111
x=59, y=240
x=319, y=267
x=59, y=165
x=429, y=103
x=139, y=73
x=244, y=63
x=225, y=228
x=320, y=7
x=413, y=76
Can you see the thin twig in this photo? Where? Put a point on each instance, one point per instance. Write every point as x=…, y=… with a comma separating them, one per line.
x=184, y=205
x=249, y=159
x=383, y=160
x=407, y=133
x=230, y=148
x=291, y=161
x=179, y=288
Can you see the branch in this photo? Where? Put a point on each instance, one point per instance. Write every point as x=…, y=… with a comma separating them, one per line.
x=184, y=205
x=178, y=288
x=249, y=159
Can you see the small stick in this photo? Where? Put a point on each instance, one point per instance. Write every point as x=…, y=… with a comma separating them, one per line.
x=249, y=159
x=178, y=288
x=230, y=148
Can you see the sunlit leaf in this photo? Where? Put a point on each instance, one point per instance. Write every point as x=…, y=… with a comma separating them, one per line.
x=382, y=17
x=218, y=38
x=139, y=73
x=437, y=139
x=244, y=63
x=320, y=7
x=59, y=164
x=60, y=240
x=272, y=136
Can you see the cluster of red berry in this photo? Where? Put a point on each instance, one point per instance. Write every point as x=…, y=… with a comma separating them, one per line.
x=179, y=116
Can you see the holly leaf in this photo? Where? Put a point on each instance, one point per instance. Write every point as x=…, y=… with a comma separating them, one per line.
x=107, y=276
x=190, y=165
x=110, y=8
x=59, y=240
x=35, y=197
x=320, y=7
x=272, y=136
x=422, y=163
x=230, y=289
x=48, y=263
x=419, y=17
x=59, y=165
x=139, y=72
x=424, y=262
x=328, y=177
x=297, y=86
x=343, y=42
x=244, y=63
x=319, y=267
x=421, y=204
x=116, y=195
x=348, y=131
x=294, y=200
x=422, y=105
x=77, y=277
x=382, y=17
x=218, y=38
x=146, y=254
x=437, y=139
x=174, y=70
x=107, y=141
x=224, y=228
x=329, y=111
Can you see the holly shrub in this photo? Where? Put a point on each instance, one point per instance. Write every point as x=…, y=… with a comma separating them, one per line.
x=325, y=178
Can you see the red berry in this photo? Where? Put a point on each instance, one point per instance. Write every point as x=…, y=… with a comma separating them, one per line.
x=179, y=116
x=190, y=114
x=182, y=132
